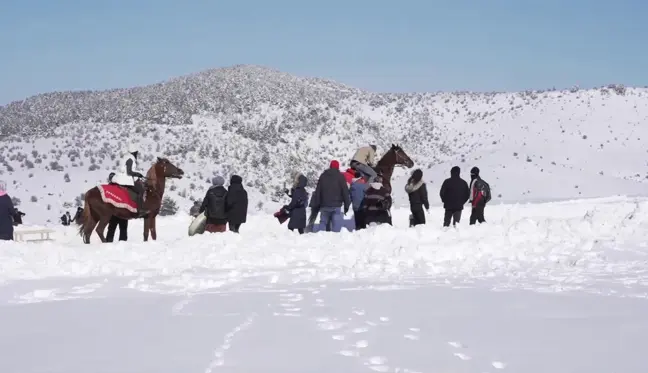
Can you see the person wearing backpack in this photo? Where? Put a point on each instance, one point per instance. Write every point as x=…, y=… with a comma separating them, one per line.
x=214, y=206
x=479, y=196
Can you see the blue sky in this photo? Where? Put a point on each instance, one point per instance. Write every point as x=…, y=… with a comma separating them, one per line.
x=395, y=46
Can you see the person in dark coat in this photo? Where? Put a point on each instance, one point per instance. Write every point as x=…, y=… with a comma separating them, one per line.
x=418, y=197
x=454, y=195
x=66, y=219
x=477, y=199
x=17, y=218
x=112, y=227
x=357, y=191
x=237, y=203
x=215, y=207
x=297, y=206
x=377, y=202
x=7, y=212
x=330, y=195
x=77, y=215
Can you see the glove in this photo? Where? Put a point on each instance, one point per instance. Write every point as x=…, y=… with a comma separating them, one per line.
x=137, y=174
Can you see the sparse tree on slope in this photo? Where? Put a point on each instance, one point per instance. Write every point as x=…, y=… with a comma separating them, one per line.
x=169, y=206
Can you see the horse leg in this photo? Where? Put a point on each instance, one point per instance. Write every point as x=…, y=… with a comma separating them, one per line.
x=153, y=230
x=101, y=227
x=88, y=227
x=147, y=226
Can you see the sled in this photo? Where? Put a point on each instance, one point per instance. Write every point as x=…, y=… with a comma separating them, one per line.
x=197, y=226
x=44, y=235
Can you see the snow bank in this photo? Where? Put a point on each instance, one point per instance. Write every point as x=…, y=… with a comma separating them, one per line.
x=587, y=244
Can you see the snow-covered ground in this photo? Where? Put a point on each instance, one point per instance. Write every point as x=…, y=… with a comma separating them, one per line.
x=551, y=287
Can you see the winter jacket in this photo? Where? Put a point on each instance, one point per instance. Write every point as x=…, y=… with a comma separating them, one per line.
x=237, y=201
x=331, y=191
x=298, y=203
x=7, y=213
x=128, y=171
x=349, y=175
x=357, y=192
x=376, y=205
x=418, y=195
x=365, y=155
x=476, y=196
x=214, y=205
x=454, y=192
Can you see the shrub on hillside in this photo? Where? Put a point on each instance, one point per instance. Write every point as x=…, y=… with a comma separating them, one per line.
x=169, y=206
x=78, y=201
x=15, y=201
x=66, y=177
x=34, y=199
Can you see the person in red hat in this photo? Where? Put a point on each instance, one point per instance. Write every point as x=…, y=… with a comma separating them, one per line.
x=329, y=196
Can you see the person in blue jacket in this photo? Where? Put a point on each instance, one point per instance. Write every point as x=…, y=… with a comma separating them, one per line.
x=7, y=212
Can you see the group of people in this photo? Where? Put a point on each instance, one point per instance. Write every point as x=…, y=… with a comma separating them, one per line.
x=454, y=193
x=223, y=206
x=332, y=198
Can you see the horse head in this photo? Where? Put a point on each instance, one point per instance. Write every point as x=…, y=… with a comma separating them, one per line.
x=165, y=168
x=400, y=157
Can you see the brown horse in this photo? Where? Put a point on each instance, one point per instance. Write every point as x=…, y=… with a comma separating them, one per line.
x=97, y=213
x=394, y=157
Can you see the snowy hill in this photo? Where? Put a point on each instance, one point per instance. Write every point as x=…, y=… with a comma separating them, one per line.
x=263, y=125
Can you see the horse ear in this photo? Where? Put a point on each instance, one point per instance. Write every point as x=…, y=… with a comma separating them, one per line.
x=159, y=159
x=393, y=146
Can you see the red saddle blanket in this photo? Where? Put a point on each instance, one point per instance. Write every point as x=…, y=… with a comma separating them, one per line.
x=118, y=196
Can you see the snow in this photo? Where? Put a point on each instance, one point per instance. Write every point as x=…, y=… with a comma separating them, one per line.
x=556, y=286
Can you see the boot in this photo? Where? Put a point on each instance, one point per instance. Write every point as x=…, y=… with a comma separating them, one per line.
x=141, y=212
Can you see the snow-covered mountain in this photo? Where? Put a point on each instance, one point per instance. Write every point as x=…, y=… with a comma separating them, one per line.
x=264, y=124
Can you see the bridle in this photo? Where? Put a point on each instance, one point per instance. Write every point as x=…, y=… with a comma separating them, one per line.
x=401, y=158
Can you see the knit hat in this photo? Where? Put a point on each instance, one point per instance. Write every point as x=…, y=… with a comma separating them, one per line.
x=218, y=181
x=335, y=164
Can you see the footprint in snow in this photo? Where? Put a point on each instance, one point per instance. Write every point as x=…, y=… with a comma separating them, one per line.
x=349, y=353
x=361, y=344
x=377, y=363
x=325, y=323
x=498, y=365
x=460, y=355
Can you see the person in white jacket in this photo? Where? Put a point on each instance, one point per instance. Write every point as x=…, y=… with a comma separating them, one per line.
x=127, y=176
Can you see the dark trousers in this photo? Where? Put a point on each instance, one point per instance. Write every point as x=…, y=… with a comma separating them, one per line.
x=418, y=215
x=359, y=219
x=112, y=226
x=454, y=215
x=477, y=214
x=234, y=227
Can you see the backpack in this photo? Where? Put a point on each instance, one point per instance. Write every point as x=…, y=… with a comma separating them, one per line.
x=484, y=188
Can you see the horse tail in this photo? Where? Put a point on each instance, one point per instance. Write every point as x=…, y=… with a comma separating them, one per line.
x=85, y=215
